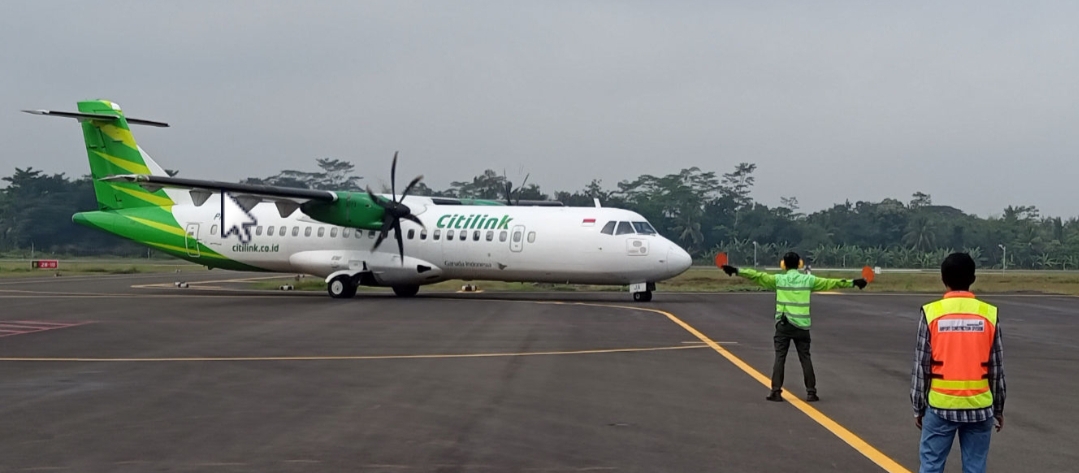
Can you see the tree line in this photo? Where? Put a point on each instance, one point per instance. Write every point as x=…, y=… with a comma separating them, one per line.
x=703, y=211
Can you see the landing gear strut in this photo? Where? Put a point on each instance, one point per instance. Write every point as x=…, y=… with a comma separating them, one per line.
x=341, y=287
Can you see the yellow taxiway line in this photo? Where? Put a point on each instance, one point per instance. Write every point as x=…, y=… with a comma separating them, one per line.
x=844, y=434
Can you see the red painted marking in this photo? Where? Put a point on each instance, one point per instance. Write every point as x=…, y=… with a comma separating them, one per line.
x=29, y=326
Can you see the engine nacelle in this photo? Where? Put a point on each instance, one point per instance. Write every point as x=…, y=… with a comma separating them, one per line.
x=351, y=209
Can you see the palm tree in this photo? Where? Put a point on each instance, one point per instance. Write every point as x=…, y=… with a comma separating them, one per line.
x=1070, y=261
x=1044, y=261
x=920, y=233
x=976, y=254
x=689, y=234
x=822, y=255
x=876, y=256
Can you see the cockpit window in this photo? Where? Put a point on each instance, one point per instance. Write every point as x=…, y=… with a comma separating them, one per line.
x=624, y=228
x=644, y=228
x=609, y=228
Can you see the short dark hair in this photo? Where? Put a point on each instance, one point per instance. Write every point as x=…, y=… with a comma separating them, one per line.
x=791, y=259
x=957, y=271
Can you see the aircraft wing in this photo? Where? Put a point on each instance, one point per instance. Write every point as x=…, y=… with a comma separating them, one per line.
x=287, y=199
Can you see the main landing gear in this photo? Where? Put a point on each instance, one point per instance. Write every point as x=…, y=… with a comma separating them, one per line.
x=344, y=287
x=341, y=287
x=645, y=296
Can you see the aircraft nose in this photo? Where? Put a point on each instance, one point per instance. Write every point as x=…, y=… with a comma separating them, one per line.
x=678, y=261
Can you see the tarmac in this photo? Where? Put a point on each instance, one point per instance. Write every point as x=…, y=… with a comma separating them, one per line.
x=129, y=373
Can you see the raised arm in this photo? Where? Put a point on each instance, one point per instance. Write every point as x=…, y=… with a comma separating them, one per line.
x=765, y=280
x=824, y=284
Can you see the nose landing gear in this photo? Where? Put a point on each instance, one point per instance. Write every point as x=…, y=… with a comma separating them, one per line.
x=642, y=292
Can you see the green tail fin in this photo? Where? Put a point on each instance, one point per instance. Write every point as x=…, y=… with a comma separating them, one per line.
x=112, y=151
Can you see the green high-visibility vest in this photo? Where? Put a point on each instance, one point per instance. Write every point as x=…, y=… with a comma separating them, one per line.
x=792, y=297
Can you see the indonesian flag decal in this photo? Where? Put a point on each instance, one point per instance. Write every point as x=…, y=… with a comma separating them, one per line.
x=588, y=222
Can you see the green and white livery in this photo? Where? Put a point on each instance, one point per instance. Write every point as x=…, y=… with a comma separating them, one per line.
x=338, y=235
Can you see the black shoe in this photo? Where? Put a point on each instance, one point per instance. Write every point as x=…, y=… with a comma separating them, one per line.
x=812, y=398
x=775, y=397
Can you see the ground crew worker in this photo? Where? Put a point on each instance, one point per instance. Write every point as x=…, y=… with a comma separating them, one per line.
x=792, y=315
x=958, y=372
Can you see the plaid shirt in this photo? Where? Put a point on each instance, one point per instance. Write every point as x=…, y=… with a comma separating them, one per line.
x=919, y=380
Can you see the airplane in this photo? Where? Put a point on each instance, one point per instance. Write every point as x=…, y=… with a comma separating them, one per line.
x=337, y=235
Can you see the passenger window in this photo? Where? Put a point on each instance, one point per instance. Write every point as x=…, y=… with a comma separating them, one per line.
x=345, y=232
x=321, y=232
x=307, y=231
x=608, y=229
x=295, y=231
x=423, y=234
x=490, y=235
x=269, y=230
x=449, y=234
x=463, y=235
x=213, y=230
x=438, y=234
x=411, y=233
x=624, y=228
x=531, y=237
x=476, y=235
x=258, y=230
x=371, y=234
x=333, y=232
x=502, y=236
x=516, y=237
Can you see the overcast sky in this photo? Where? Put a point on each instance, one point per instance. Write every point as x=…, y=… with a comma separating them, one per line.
x=975, y=103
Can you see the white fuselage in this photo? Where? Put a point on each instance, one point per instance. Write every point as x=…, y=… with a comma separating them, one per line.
x=500, y=243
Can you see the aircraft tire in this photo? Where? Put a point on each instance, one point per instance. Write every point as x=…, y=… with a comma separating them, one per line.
x=406, y=291
x=341, y=287
x=645, y=296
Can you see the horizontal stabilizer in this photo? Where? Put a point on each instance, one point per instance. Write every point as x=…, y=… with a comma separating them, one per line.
x=96, y=116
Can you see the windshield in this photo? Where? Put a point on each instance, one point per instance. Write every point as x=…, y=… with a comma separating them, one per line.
x=644, y=228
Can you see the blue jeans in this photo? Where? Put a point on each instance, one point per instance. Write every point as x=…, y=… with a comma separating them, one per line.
x=937, y=437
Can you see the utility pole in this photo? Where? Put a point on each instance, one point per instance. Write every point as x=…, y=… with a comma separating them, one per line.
x=1004, y=259
x=754, y=254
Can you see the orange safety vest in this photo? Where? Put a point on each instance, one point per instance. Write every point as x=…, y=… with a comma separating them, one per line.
x=961, y=333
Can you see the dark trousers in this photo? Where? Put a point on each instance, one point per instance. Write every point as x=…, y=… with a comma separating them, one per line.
x=785, y=333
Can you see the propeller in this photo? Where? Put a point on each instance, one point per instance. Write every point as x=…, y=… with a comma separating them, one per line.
x=510, y=191
x=395, y=210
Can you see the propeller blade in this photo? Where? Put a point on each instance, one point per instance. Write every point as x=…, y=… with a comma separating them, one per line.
x=382, y=232
x=410, y=186
x=413, y=218
x=378, y=242
x=393, y=177
x=519, y=189
x=400, y=240
x=378, y=200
